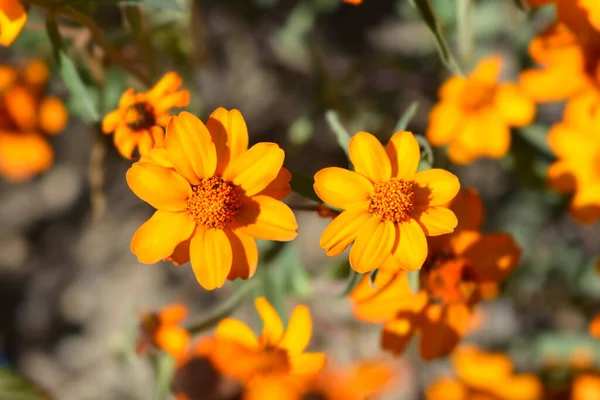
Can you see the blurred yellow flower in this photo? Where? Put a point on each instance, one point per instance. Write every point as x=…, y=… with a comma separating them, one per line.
x=278, y=353
x=462, y=268
x=13, y=17
x=486, y=376
x=26, y=113
x=213, y=197
x=475, y=114
x=162, y=329
x=389, y=206
x=586, y=387
x=141, y=117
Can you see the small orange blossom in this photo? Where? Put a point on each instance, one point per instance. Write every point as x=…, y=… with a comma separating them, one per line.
x=141, y=117
x=475, y=114
x=162, y=329
x=389, y=206
x=13, y=17
x=213, y=197
x=586, y=387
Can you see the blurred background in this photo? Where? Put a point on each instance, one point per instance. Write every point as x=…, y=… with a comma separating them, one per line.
x=70, y=289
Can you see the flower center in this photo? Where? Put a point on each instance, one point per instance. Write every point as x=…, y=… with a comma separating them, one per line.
x=140, y=116
x=213, y=203
x=477, y=96
x=393, y=200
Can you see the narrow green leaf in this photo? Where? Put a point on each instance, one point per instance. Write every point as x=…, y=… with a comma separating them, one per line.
x=427, y=157
x=274, y=282
x=341, y=133
x=373, y=277
x=79, y=93
x=466, y=33
x=406, y=117
x=165, y=369
x=424, y=8
x=54, y=35
x=353, y=281
x=303, y=185
x=413, y=281
x=521, y=5
x=134, y=17
x=170, y=5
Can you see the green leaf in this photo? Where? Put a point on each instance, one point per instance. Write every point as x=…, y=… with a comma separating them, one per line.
x=17, y=387
x=413, y=281
x=353, y=281
x=406, y=117
x=427, y=157
x=114, y=86
x=424, y=8
x=373, y=277
x=341, y=133
x=134, y=18
x=521, y=5
x=170, y=5
x=79, y=93
x=303, y=185
x=164, y=366
x=54, y=35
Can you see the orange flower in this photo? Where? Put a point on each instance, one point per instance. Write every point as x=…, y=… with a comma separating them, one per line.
x=475, y=114
x=141, y=117
x=595, y=327
x=213, y=197
x=162, y=329
x=365, y=380
x=277, y=353
x=198, y=378
x=484, y=376
x=576, y=143
x=13, y=17
x=389, y=206
x=581, y=15
x=355, y=2
x=458, y=273
x=586, y=387
x=25, y=113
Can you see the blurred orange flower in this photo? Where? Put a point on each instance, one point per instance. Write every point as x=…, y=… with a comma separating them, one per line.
x=389, y=206
x=162, y=330
x=581, y=15
x=586, y=387
x=213, y=197
x=576, y=143
x=364, y=380
x=13, y=17
x=484, y=376
x=475, y=114
x=25, y=114
x=276, y=354
x=462, y=268
x=595, y=327
x=141, y=117
x=355, y=2
x=197, y=377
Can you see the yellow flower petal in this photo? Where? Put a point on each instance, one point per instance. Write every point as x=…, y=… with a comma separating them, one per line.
x=307, y=363
x=23, y=155
x=211, y=257
x=372, y=245
x=515, y=107
x=435, y=221
x=173, y=340
x=342, y=231
x=12, y=20
x=488, y=70
x=369, y=158
x=452, y=88
x=299, y=331
x=245, y=255
x=585, y=205
x=280, y=186
x=256, y=168
x=342, y=188
x=158, y=157
x=158, y=237
x=445, y=120
x=190, y=148
x=266, y=218
x=435, y=187
x=411, y=251
x=404, y=154
x=236, y=331
x=230, y=135
x=162, y=188
x=272, y=325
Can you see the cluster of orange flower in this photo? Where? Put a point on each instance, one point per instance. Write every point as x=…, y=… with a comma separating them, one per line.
x=271, y=366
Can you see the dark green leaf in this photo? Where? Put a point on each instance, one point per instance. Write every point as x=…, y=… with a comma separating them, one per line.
x=373, y=277
x=353, y=281
x=133, y=15
x=341, y=133
x=406, y=117
x=79, y=93
x=54, y=35
x=424, y=8
x=521, y=5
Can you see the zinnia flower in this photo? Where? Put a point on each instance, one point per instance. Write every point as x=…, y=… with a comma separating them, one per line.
x=277, y=353
x=12, y=20
x=141, y=117
x=364, y=380
x=162, y=330
x=486, y=376
x=461, y=269
x=26, y=113
x=389, y=206
x=213, y=197
x=576, y=143
x=581, y=15
x=586, y=387
x=475, y=114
